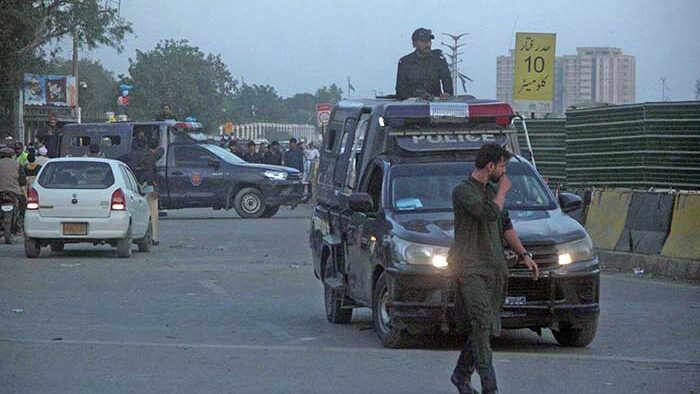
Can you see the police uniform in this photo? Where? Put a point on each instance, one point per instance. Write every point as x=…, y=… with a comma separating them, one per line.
x=478, y=261
x=417, y=75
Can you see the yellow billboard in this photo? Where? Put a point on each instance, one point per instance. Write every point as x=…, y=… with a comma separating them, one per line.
x=533, y=79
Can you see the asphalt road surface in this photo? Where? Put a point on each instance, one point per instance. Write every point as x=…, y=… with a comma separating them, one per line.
x=226, y=305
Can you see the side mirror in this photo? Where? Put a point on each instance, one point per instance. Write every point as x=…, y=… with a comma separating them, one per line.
x=147, y=189
x=214, y=163
x=361, y=202
x=569, y=202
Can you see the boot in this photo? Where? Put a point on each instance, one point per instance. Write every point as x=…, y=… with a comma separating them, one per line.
x=463, y=384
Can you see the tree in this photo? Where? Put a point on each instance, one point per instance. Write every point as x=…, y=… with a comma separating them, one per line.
x=257, y=103
x=176, y=73
x=28, y=27
x=331, y=94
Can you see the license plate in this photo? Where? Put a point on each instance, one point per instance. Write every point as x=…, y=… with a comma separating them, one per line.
x=511, y=301
x=74, y=228
x=7, y=208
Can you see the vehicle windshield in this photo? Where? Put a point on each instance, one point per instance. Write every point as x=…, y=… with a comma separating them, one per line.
x=224, y=154
x=429, y=187
x=76, y=175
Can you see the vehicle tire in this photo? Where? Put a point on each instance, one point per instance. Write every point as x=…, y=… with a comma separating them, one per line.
x=31, y=247
x=335, y=313
x=7, y=228
x=57, y=247
x=390, y=335
x=270, y=211
x=124, y=245
x=249, y=203
x=576, y=337
x=145, y=242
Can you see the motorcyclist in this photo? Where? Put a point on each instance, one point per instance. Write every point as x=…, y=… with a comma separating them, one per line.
x=12, y=178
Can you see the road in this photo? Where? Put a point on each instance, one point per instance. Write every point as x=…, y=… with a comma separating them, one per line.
x=232, y=305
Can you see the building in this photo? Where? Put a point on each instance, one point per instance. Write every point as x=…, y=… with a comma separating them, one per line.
x=593, y=75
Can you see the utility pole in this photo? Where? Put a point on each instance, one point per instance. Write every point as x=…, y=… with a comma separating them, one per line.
x=664, y=87
x=76, y=41
x=454, y=60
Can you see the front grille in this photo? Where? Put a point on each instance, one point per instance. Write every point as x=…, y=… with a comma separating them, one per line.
x=533, y=291
x=566, y=290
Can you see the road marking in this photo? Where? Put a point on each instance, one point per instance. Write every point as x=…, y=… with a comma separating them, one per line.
x=298, y=348
x=216, y=289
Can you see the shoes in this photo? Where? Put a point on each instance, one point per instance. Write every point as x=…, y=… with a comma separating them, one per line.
x=155, y=243
x=464, y=386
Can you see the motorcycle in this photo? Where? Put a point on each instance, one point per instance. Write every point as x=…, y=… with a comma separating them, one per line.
x=9, y=211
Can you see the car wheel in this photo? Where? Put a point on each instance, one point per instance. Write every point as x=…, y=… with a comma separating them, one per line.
x=31, y=247
x=270, y=211
x=249, y=203
x=576, y=337
x=57, y=247
x=388, y=331
x=124, y=245
x=145, y=242
x=335, y=313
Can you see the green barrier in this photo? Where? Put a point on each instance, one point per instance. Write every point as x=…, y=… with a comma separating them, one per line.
x=682, y=241
x=606, y=217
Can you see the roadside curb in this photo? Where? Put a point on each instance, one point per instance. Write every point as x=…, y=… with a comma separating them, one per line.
x=656, y=265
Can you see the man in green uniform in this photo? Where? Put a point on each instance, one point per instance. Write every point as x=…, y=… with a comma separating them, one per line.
x=423, y=72
x=477, y=257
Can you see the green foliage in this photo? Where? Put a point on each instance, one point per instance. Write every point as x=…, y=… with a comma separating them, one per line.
x=27, y=28
x=256, y=103
x=176, y=73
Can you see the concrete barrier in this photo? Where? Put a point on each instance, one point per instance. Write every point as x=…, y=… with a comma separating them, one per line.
x=648, y=223
x=606, y=217
x=683, y=241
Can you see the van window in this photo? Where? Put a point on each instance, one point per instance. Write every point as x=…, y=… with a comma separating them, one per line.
x=110, y=140
x=76, y=175
x=80, y=141
x=330, y=136
x=356, y=154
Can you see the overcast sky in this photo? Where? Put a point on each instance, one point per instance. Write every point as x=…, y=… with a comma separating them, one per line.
x=300, y=45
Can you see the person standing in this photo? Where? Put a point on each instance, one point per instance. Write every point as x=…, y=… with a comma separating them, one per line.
x=251, y=156
x=294, y=157
x=166, y=113
x=274, y=155
x=424, y=72
x=49, y=138
x=31, y=169
x=479, y=265
x=149, y=177
x=310, y=156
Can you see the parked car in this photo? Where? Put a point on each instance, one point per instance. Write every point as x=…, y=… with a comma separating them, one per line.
x=86, y=200
x=193, y=173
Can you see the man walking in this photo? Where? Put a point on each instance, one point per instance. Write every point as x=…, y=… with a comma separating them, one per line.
x=149, y=177
x=49, y=138
x=421, y=73
x=477, y=258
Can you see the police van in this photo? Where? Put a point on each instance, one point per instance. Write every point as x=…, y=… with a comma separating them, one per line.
x=383, y=222
x=193, y=173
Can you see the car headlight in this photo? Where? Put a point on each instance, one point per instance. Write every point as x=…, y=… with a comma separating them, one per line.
x=419, y=254
x=276, y=175
x=579, y=250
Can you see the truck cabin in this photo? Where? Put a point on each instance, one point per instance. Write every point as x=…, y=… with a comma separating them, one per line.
x=116, y=140
x=407, y=131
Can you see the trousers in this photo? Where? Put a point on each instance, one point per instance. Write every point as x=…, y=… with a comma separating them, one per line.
x=153, y=208
x=476, y=354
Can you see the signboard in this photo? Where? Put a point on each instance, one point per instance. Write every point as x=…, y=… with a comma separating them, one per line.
x=52, y=90
x=323, y=113
x=446, y=142
x=533, y=81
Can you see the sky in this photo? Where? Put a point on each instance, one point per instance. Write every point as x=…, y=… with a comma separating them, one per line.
x=300, y=45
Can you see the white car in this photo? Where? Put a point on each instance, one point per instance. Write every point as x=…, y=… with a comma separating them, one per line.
x=92, y=200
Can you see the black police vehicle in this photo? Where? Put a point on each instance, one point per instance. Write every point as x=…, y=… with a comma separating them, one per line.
x=383, y=223
x=193, y=173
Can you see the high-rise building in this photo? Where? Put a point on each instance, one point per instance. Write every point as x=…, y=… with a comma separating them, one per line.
x=593, y=75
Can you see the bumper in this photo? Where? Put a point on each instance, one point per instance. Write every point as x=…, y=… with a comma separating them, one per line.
x=424, y=296
x=51, y=228
x=284, y=193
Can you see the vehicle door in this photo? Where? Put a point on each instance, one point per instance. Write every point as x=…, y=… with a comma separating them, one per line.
x=135, y=203
x=365, y=236
x=191, y=179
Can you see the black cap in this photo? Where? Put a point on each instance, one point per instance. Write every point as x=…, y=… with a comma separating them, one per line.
x=422, y=34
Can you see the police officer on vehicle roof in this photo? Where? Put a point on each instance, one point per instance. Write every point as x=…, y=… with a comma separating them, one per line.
x=421, y=72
